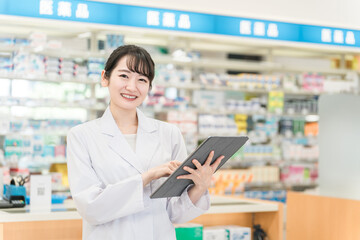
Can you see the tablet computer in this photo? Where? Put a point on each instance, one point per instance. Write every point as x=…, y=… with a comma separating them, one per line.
x=226, y=146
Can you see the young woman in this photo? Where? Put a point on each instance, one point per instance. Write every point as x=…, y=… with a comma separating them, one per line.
x=117, y=161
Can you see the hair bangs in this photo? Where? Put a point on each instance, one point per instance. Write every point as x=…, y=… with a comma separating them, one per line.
x=139, y=63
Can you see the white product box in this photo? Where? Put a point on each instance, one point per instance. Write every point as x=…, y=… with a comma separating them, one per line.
x=211, y=233
x=237, y=232
x=232, y=232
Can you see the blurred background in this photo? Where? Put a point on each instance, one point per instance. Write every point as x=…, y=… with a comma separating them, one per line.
x=284, y=73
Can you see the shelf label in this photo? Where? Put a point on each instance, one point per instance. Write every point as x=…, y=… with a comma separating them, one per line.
x=167, y=19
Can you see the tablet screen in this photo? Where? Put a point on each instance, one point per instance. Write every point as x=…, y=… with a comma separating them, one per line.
x=226, y=146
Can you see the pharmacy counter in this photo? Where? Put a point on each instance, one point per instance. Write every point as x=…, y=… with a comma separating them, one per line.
x=246, y=213
x=312, y=216
x=63, y=221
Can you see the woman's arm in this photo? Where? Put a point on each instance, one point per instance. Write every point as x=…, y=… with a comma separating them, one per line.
x=96, y=202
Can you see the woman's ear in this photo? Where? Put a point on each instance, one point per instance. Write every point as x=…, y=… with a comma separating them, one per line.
x=104, y=81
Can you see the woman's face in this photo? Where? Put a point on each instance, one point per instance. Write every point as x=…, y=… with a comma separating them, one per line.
x=127, y=89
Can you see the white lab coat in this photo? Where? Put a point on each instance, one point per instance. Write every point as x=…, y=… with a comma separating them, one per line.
x=106, y=183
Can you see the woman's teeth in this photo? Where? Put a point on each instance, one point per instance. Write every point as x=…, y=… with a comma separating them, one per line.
x=128, y=96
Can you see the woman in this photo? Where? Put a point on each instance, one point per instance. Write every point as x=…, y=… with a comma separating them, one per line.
x=117, y=161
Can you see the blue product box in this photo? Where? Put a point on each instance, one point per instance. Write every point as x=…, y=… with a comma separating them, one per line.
x=48, y=151
x=12, y=190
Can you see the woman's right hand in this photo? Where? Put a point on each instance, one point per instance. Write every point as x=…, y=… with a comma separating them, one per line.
x=163, y=170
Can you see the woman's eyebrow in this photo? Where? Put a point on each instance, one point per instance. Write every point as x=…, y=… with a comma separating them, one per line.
x=124, y=70
x=128, y=71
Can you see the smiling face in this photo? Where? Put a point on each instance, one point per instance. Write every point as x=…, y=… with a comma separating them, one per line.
x=127, y=88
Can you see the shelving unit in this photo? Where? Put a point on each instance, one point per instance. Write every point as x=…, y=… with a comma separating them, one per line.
x=58, y=80
x=65, y=222
x=32, y=103
x=211, y=49
x=198, y=86
x=241, y=65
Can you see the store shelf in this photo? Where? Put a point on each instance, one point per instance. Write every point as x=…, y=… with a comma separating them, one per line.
x=65, y=53
x=66, y=211
x=189, y=86
x=198, y=86
x=301, y=161
x=241, y=65
x=226, y=112
x=236, y=65
x=277, y=185
x=48, y=79
x=34, y=103
x=223, y=204
x=33, y=133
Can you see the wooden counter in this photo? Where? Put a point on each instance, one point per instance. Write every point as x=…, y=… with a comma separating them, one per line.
x=322, y=218
x=268, y=214
x=64, y=223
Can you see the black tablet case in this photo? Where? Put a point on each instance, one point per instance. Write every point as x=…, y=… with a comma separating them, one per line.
x=226, y=146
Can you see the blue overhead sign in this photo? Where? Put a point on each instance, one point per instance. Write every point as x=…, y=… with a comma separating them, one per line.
x=156, y=18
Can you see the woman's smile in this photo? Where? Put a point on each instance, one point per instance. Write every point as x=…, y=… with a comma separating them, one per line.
x=128, y=97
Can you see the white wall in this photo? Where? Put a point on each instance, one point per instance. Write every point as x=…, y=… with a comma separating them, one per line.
x=336, y=13
x=339, y=144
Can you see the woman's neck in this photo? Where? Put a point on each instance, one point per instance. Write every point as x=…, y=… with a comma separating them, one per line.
x=126, y=120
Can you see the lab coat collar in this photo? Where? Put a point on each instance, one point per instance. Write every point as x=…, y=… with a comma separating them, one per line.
x=109, y=127
x=146, y=140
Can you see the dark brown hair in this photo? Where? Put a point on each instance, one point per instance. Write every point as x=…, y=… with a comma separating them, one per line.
x=138, y=60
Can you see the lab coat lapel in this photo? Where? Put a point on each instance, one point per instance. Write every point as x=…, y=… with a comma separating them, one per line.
x=117, y=141
x=147, y=140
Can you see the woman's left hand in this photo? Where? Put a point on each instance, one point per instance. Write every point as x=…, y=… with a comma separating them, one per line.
x=201, y=176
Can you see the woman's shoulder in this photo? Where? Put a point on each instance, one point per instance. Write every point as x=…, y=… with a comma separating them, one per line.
x=166, y=127
x=163, y=124
x=84, y=127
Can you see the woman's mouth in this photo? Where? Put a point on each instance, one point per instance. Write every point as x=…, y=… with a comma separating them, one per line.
x=128, y=97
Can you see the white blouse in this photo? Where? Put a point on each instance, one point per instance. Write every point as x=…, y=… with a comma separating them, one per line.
x=131, y=139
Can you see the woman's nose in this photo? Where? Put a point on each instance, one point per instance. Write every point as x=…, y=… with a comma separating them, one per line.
x=131, y=85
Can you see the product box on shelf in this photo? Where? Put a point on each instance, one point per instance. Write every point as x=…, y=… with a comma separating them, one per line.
x=299, y=174
x=229, y=181
x=216, y=124
x=5, y=64
x=313, y=82
x=27, y=64
x=270, y=195
x=276, y=102
x=210, y=233
x=211, y=79
x=189, y=231
x=232, y=181
x=230, y=232
x=254, y=81
x=166, y=74
x=311, y=129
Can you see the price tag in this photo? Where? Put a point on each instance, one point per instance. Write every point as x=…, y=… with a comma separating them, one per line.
x=40, y=192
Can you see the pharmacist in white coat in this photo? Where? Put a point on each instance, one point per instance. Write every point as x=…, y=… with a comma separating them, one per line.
x=117, y=161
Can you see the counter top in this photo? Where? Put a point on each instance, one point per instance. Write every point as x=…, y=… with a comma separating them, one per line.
x=67, y=211
x=64, y=211
x=229, y=204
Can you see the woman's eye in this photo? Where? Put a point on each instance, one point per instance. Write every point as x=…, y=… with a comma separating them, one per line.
x=143, y=80
x=123, y=76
